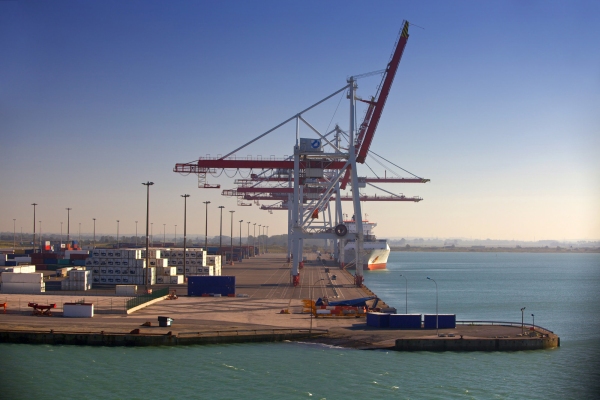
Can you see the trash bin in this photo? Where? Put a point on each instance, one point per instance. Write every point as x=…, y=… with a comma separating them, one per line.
x=164, y=321
x=333, y=277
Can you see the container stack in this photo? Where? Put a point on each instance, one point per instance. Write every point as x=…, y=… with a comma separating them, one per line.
x=215, y=262
x=194, y=259
x=16, y=282
x=124, y=266
x=22, y=269
x=77, y=280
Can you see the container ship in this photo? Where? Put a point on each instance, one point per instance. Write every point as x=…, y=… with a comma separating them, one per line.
x=376, y=252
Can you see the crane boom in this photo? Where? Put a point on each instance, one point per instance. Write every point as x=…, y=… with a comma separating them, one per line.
x=372, y=117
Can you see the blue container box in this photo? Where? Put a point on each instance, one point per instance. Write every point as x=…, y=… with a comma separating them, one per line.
x=203, y=285
x=445, y=321
x=378, y=320
x=405, y=321
x=10, y=263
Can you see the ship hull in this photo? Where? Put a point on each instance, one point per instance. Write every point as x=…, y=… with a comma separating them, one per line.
x=375, y=254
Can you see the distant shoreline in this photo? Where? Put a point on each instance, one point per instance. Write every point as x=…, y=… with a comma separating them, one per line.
x=496, y=249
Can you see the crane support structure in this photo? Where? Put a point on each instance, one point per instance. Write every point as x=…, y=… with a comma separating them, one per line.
x=306, y=184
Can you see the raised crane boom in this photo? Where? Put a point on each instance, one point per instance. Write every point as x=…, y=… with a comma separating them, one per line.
x=369, y=125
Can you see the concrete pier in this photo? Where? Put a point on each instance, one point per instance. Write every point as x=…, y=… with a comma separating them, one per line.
x=258, y=317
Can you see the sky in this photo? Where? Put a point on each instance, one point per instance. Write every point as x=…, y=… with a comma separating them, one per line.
x=497, y=102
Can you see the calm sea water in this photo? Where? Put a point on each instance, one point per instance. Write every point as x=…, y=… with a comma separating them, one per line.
x=560, y=289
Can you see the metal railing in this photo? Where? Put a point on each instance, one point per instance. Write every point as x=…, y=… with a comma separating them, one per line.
x=136, y=301
x=501, y=323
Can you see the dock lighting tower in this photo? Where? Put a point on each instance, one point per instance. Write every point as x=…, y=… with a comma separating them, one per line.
x=248, y=238
x=117, y=234
x=14, y=233
x=136, y=236
x=147, y=184
x=152, y=233
x=68, y=223
x=185, y=196
x=164, y=234
x=254, y=240
x=95, y=232
x=436, y=306
x=259, y=250
x=533, y=316
x=241, y=220
x=221, y=230
x=231, y=261
x=206, y=203
x=406, y=293
x=311, y=299
x=522, y=322
x=33, y=243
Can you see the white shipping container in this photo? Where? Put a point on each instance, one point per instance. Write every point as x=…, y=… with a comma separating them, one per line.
x=176, y=280
x=22, y=288
x=161, y=279
x=78, y=310
x=125, y=290
x=16, y=277
x=20, y=269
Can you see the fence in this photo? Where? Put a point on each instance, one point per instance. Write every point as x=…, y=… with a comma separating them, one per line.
x=136, y=301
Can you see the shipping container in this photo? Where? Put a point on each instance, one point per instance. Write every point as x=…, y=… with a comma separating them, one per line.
x=199, y=285
x=78, y=310
x=405, y=321
x=378, y=320
x=445, y=321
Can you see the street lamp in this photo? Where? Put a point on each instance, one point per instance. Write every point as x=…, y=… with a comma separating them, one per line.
x=231, y=263
x=117, y=234
x=254, y=240
x=95, y=232
x=522, y=323
x=33, y=243
x=185, y=196
x=533, y=322
x=221, y=230
x=248, y=239
x=136, y=235
x=147, y=184
x=152, y=233
x=68, y=223
x=436, y=306
x=206, y=203
x=311, y=298
x=259, y=226
x=241, y=253
x=406, y=294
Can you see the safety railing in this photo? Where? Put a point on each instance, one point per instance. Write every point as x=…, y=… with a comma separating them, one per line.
x=501, y=323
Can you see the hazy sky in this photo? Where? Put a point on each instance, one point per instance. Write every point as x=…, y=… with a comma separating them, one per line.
x=497, y=102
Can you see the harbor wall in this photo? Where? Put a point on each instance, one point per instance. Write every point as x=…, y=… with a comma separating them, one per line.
x=479, y=344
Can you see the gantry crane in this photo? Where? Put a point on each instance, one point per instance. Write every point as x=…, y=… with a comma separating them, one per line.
x=305, y=183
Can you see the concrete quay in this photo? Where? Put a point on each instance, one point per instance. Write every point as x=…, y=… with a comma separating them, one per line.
x=266, y=282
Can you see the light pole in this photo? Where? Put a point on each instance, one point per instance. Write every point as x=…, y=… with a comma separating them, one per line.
x=117, y=234
x=33, y=243
x=206, y=203
x=522, y=322
x=221, y=231
x=68, y=224
x=254, y=240
x=185, y=196
x=259, y=226
x=248, y=239
x=136, y=235
x=533, y=316
x=406, y=294
x=241, y=253
x=147, y=184
x=267, y=241
x=152, y=233
x=436, y=307
x=311, y=298
x=164, y=234
x=14, y=234
x=231, y=263
x=95, y=232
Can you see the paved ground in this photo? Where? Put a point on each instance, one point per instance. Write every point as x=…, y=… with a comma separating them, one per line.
x=265, y=279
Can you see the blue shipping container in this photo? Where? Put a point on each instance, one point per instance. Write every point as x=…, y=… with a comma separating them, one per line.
x=405, y=321
x=199, y=285
x=445, y=321
x=378, y=320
